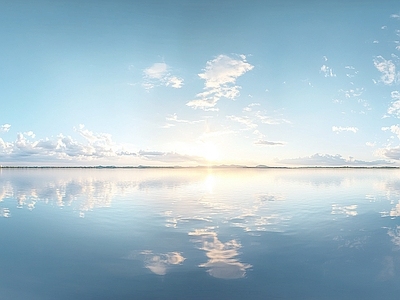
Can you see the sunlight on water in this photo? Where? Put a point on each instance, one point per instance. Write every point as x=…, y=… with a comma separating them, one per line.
x=200, y=234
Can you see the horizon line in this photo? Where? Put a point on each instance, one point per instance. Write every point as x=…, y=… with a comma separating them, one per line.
x=199, y=167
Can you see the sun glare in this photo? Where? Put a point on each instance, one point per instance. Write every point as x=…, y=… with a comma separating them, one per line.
x=210, y=152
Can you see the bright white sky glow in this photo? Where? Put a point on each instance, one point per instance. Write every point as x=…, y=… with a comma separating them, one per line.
x=187, y=82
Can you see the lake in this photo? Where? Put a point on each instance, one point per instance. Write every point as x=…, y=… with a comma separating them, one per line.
x=200, y=234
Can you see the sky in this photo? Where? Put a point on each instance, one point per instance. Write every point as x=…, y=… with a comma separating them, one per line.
x=187, y=83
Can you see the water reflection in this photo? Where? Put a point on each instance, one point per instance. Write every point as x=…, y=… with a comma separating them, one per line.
x=158, y=263
x=349, y=210
x=241, y=225
x=223, y=261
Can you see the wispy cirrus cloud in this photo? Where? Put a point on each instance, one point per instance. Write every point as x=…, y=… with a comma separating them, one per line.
x=264, y=118
x=173, y=120
x=248, y=122
x=269, y=143
x=159, y=75
x=220, y=77
x=341, y=129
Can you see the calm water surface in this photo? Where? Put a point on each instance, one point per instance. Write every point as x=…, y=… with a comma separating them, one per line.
x=199, y=234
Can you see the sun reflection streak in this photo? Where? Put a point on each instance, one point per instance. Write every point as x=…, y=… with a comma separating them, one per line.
x=209, y=183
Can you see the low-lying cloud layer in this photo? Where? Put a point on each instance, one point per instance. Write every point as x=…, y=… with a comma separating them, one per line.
x=96, y=148
x=331, y=160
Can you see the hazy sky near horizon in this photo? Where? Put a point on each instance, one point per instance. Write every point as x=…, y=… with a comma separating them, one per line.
x=186, y=82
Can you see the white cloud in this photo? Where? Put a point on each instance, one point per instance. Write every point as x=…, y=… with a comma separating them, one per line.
x=395, y=16
x=243, y=120
x=249, y=107
x=95, y=148
x=340, y=129
x=394, y=108
x=327, y=71
x=331, y=160
x=352, y=93
x=158, y=74
x=391, y=153
x=220, y=77
x=351, y=71
x=265, y=119
x=174, y=118
x=268, y=143
x=5, y=127
x=174, y=82
x=369, y=144
x=394, y=129
x=388, y=70
x=156, y=71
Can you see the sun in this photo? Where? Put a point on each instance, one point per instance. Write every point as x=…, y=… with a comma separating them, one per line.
x=210, y=152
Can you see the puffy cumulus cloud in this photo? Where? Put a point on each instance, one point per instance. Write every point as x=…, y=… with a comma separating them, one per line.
x=220, y=77
x=5, y=127
x=394, y=108
x=158, y=74
x=331, y=160
x=269, y=143
x=388, y=70
x=394, y=129
x=95, y=148
x=390, y=152
x=101, y=143
x=341, y=129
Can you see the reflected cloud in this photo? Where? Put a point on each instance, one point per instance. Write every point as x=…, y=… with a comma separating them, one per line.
x=157, y=263
x=355, y=243
x=222, y=261
x=83, y=189
x=395, y=211
x=350, y=210
x=388, y=269
x=395, y=235
x=4, y=212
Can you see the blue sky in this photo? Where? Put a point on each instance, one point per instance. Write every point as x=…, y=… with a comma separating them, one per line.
x=280, y=83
